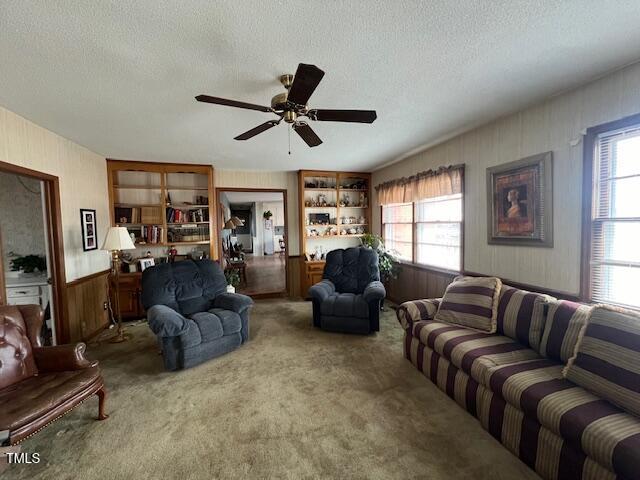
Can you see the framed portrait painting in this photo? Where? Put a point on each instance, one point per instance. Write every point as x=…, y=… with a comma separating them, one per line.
x=520, y=202
x=89, y=230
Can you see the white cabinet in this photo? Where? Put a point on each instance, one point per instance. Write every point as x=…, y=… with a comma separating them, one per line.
x=28, y=291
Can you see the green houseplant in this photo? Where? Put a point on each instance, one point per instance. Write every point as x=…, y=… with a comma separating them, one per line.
x=233, y=279
x=29, y=263
x=267, y=215
x=387, y=261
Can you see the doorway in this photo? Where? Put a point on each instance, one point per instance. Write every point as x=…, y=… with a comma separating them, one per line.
x=32, y=271
x=254, y=240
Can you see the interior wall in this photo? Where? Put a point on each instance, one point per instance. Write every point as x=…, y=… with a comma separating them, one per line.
x=264, y=179
x=556, y=124
x=83, y=184
x=21, y=219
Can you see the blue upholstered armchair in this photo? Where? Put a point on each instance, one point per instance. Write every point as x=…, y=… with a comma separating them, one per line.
x=191, y=314
x=349, y=297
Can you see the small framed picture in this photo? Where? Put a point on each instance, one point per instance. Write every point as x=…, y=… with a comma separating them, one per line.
x=146, y=263
x=89, y=230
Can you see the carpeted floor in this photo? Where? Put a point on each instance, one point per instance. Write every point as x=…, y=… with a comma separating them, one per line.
x=294, y=402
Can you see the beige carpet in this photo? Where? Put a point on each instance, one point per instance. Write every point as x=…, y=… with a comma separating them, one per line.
x=294, y=402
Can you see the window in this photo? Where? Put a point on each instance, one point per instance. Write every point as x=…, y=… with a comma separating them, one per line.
x=397, y=220
x=436, y=226
x=614, y=267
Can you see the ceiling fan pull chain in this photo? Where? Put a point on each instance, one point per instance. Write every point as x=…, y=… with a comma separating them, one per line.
x=289, y=130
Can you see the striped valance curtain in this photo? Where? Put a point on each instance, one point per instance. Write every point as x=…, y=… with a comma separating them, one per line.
x=431, y=183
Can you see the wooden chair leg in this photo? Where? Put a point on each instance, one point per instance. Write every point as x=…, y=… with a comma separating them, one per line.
x=102, y=395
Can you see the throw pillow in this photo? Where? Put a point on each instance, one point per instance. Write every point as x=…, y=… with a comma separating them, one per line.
x=607, y=357
x=471, y=302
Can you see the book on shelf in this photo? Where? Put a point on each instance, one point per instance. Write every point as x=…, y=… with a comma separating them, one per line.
x=138, y=215
x=149, y=234
x=194, y=233
x=184, y=215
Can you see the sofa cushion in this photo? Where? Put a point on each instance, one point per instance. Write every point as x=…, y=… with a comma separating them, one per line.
x=475, y=353
x=471, y=302
x=416, y=310
x=214, y=324
x=345, y=305
x=564, y=321
x=521, y=315
x=34, y=397
x=230, y=321
x=607, y=358
x=595, y=426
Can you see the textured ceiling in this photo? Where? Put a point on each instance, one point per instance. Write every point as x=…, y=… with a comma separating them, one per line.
x=120, y=77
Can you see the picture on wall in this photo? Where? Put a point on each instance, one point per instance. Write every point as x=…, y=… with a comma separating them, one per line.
x=89, y=230
x=520, y=202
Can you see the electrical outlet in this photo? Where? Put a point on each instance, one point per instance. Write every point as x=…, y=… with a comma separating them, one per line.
x=105, y=305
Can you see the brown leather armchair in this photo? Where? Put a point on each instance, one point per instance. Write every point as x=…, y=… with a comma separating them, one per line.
x=40, y=384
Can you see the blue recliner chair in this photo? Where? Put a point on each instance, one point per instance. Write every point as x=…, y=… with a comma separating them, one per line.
x=191, y=313
x=349, y=297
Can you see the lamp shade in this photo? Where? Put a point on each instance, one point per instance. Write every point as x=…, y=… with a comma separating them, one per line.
x=237, y=222
x=229, y=225
x=118, y=239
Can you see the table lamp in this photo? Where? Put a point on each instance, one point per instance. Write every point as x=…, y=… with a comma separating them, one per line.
x=117, y=239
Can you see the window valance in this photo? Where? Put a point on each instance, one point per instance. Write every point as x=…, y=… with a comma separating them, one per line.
x=428, y=184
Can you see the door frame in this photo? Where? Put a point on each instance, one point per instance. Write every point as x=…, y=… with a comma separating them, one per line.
x=220, y=190
x=53, y=230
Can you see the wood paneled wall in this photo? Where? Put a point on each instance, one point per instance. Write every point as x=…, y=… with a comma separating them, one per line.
x=556, y=124
x=415, y=283
x=86, y=297
x=295, y=264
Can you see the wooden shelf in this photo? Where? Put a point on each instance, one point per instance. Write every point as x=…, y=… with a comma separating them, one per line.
x=168, y=244
x=183, y=207
x=180, y=224
x=142, y=181
x=349, y=235
x=138, y=187
x=138, y=225
x=311, y=271
x=138, y=205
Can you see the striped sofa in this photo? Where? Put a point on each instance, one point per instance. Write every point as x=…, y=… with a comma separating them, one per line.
x=513, y=382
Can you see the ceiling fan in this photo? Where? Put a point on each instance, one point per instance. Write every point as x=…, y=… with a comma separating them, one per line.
x=291, y=106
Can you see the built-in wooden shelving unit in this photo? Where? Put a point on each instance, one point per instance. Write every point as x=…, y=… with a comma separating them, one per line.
x=335, y=212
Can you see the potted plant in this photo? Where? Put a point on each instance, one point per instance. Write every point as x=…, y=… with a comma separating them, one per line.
x=267, y=215
x=233, y=279
x=29, y=264
x=387, y=260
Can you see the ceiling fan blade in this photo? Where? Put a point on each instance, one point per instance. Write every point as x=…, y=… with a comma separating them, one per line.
x=356, y=116
x=231, y=103
x=307, y=134
x=256, y=130
x=305, y=81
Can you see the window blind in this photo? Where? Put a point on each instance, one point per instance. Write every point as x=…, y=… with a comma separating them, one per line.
x=615, y=219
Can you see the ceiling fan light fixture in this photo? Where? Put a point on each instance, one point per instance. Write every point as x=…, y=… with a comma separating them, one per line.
x=292, y=104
